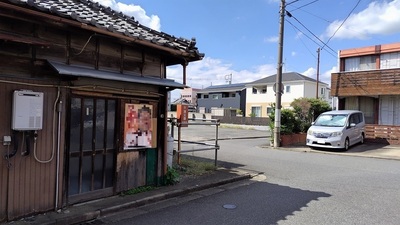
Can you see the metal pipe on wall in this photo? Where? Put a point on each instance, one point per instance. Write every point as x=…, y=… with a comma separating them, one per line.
x=59, y=109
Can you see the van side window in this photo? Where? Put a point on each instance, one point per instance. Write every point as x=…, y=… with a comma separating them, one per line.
x=361, y=118
x=354, y=118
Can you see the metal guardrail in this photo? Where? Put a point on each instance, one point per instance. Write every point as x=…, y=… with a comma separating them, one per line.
x=174, y=122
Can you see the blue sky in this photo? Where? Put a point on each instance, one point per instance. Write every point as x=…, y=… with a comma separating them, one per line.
x=240, y=37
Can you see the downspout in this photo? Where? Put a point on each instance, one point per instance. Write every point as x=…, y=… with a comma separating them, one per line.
x=59, y=109
x=166, y=133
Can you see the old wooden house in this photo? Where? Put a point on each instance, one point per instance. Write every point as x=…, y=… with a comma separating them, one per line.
x=83, y=93
x=369, y=80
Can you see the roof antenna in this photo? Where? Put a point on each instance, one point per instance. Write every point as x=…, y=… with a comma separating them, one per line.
x=228, y=78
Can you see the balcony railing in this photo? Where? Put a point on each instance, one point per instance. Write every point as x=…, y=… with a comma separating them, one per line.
x=366, y=83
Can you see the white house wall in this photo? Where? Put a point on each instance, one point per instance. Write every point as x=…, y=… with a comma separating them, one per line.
x=297, y=90
x=310, y=90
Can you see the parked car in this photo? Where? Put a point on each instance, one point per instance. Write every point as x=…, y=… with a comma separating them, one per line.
x=337, y=129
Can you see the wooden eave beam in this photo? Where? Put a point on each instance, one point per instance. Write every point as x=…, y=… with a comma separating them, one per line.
x=22, y=39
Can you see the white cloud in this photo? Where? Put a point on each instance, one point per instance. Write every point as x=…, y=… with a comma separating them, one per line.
x=274, y=39
x=209, y=71
x=323, y=77
x=136, y=11
x=299, y=35
x=310, y=72
x=379, y=18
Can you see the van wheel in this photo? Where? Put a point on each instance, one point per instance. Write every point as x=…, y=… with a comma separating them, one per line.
x=346, y=144
x=362, y=139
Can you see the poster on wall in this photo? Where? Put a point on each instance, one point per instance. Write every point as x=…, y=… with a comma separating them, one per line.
x=139, y=128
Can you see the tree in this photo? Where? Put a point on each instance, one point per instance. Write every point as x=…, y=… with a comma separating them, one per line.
x=307, y=110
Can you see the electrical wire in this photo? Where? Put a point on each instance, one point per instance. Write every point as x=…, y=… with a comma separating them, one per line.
x=53, y=133
x=304, y=5
x=342, y=23
x=313, y=34
x=291, y=2
x=296, y=29
x=334, y=55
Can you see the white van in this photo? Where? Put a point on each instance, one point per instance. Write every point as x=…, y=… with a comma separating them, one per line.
x=337, y=129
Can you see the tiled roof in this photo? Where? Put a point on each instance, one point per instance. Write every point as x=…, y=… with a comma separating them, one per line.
x=286, y=77
x=95, y=14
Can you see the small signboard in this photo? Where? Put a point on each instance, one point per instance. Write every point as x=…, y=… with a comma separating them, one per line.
x=182, y=112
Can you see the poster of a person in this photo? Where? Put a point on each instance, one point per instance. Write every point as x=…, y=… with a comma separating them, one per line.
x=138, y=126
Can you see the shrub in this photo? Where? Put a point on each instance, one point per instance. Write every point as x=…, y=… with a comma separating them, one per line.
x=172, y=176
x=299, y=119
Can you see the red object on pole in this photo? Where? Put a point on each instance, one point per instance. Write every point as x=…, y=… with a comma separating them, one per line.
x=182, y=112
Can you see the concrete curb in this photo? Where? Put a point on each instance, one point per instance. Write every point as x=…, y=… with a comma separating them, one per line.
x=170, y=194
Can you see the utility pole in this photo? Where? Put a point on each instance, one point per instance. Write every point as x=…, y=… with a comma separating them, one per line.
x=318, y=51
x=278, y=84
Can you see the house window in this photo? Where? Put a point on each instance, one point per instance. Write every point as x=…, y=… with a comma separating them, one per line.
x=256, y=111
x=254, y=90
x=225, y=95
x=215, y=96
x=390, y=60
x=360, y=63
x=233, y=95
x=269, y=110
x=322, y=91
x=264, y=90
x=288, y=89
x=205, y=96
x=389, y=113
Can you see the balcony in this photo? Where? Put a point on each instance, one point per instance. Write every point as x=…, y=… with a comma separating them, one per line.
x=366, y=83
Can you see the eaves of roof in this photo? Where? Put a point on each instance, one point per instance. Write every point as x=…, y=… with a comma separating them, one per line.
x=93, y=16
x=80, y=71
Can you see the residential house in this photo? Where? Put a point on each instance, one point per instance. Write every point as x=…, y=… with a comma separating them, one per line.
x=222, y=96
x=369, y=81
x=190, y=96
x=84, y=101
x=260, y=94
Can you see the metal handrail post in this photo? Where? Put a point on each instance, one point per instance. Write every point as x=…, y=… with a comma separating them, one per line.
x=179, y=145
x=172, y=127
x=216, y=143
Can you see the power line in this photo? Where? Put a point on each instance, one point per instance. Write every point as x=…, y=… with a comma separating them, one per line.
x=312, y=33
x=334, y=55
x=342, y=23
x=292, y=2
x=305, y=5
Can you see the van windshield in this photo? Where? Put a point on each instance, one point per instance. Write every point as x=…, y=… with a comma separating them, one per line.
x=331, y=120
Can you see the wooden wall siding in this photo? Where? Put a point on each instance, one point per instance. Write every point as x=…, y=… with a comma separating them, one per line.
x=29, y=186
x=83, y=50
x=383, y=134
x=109, y=56
x=130, y=170
x=366, y=83
x=133, y=59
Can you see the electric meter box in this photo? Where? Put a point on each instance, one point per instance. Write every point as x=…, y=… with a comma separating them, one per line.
x=27, y=110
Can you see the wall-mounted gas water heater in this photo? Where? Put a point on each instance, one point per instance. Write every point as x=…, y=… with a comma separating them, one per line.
x=27, y=111
x=27, y=118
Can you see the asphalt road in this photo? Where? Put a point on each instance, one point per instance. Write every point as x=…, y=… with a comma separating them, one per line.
x=296, y=188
